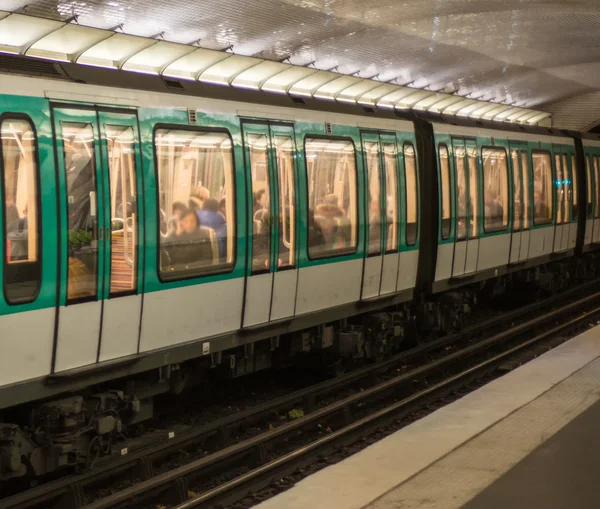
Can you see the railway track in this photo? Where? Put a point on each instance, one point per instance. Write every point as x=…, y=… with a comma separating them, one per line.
x=335, y=412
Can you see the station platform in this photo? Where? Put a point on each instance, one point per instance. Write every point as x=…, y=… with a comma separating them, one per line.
x=527, y=440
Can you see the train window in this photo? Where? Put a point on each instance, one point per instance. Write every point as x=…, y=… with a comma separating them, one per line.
x=543, y=199
x=590, y=183
x=525, y=182
x=197, y=202
x=574, y=187
x=258, y=148
x=284, y=150
x=332, y=197
x=391, y=189
x=82, y=210
x=473, y=192
x=517, y=190
x=461, y=185
x=412, y=197
x=22, y=267
x=560, y=195
x=123, y=209
x=495, y=185
x=597, y=188
x=372, y=158
x=445, y=190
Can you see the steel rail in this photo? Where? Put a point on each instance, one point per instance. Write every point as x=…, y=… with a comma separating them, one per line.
x=253, y=445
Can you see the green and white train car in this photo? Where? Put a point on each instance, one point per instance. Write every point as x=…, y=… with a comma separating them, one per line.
x=149, y=236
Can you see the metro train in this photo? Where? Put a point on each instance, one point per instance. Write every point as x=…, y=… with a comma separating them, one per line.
x=153, y=233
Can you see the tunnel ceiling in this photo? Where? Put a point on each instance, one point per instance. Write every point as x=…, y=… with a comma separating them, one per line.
x=524, y=52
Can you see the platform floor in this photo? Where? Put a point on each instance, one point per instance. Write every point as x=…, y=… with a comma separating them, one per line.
x=526, y=440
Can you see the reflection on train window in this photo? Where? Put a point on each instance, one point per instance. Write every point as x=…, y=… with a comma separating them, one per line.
x=391, y=190
x=332, y=197
x=22, y=269
x=517, y=190
x=525, y=180
x=373, y=177
x=410, y=177
x=495, y=189
x=590, y=184
x=258, y=148
x=284, y=151
x=597, y=188
x=445, y=190
x=461, y=188
x=473, y=192
x=82, y=210
x=197, y=202
x=542, y=188
x=574, y=199
x=123, y=208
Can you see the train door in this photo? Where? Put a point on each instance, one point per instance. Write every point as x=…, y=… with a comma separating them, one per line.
x=391, y=255
x=596, y=193
x=373, y=263
x=466, y=246
x=97, y=158
x=473, y=207
x=271, y=277
x=589, y=208
x=520, y=186
x=561, y=230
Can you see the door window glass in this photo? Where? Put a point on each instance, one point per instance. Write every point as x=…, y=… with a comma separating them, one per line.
x=284, y=148
x=258, y=148
x=473, y=193
x=82, y=210
x=196, y=201
x=445, y=190
x=332, y=197
x=566, y=189
x=517, y=200
x=461, y=188
x=372, y=157
x=596, y=188
x=560, y=196
x=525, y=182
x=495, y=185
x=22, y=268
x=123, y=208
x=542, y=188
x=391, y=190
x=410, y=178
x=574, y=188
x=590, y=187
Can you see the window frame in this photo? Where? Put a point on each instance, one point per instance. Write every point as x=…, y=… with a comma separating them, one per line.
x=417, y=201
x=222, y=268
x=552, y=218
x=441, y=193
x=339, y=252
x=508, y=190
x=38, y=203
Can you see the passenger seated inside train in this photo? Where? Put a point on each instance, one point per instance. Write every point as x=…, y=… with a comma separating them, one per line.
x=260, y=201
x=17, y=233
x=223, y=207
x=211, y=217
x=189, y=245
x=494, y=212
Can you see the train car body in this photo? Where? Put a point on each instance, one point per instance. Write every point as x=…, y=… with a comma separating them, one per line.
x=149, y=236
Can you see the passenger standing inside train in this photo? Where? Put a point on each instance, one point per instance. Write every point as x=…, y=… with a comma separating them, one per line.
x=211, y=217
x=260, y=201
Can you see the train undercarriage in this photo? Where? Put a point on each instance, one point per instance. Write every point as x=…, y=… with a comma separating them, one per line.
x=73, y=431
